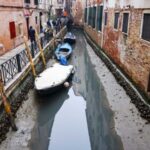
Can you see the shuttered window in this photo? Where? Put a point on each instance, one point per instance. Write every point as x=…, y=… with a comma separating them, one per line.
x=146, y=27
x=105, y=18
x=125, y=22
x=93, y=17
x=27, y=1
x=99, y=18
x=116, y=20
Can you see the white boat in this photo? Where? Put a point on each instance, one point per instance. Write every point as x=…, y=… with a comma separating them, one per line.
x=52, y=78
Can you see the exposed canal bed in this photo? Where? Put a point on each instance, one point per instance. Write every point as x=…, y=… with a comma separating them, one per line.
x=94, y=113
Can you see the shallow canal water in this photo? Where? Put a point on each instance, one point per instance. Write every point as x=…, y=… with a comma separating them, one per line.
x=78, y=118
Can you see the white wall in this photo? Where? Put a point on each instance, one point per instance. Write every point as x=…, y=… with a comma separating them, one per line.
x=141, y=3
x=134, y=3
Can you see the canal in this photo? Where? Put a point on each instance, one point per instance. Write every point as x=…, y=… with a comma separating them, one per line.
x=94, y=113
x=78, y=117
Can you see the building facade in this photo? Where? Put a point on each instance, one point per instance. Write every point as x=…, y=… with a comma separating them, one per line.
x=15, y=18
x=57, y=7
x=78, y=11
x=122, y=29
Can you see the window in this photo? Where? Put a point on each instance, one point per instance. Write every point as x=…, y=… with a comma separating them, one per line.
x=12, y=29
x=146, y=27
x=105, y=18
x=85, y=15
x=20, y=29
x=99, y=18
x=90, y=16
x=125, y=22
x=36, y=2
x=27, y=1
x=116, y=20
x=60, y=1
x=36, y=20
x=93, y=17
x=148, y=88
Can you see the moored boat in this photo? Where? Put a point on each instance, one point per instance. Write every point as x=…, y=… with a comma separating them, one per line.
x=53, y=78
x=63, y=50
x=70, y=38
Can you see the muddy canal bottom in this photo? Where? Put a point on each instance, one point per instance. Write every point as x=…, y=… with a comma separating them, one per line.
x=78, y=118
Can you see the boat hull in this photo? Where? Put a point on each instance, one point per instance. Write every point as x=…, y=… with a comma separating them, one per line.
x=53, y=79
x=50, y=90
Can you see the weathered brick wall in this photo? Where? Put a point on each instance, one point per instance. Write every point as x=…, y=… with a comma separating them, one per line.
x=18, y=17
x=94, y=34
x=5, y=39
x=78, y=12
x=129, y=51
x=137, y=56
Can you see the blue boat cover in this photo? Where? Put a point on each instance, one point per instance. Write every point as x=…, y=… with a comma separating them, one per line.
x=63, y=60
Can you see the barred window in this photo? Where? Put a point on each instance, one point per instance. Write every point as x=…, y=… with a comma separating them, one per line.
x=116, y=20
x=125, y=22
x=99, y=18
x=146, y=27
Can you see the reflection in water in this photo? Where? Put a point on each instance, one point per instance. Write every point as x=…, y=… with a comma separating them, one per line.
x=99, y=115
x=47, y=109
x=70, y=127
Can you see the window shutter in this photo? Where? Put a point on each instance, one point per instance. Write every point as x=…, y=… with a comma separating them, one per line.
x=12, y=29
x=99, y=18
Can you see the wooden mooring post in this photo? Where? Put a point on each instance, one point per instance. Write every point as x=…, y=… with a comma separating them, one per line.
x=7, y=106
x=29, y=56
x=40, y=48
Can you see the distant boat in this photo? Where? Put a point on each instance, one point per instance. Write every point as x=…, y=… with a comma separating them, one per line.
x=52, y=78
x=70, y=38
x=63, y=50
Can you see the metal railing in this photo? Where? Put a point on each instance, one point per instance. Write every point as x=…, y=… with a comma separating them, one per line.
x=11, y=67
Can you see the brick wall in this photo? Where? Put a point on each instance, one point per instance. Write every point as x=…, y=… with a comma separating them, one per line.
x=129, y=51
